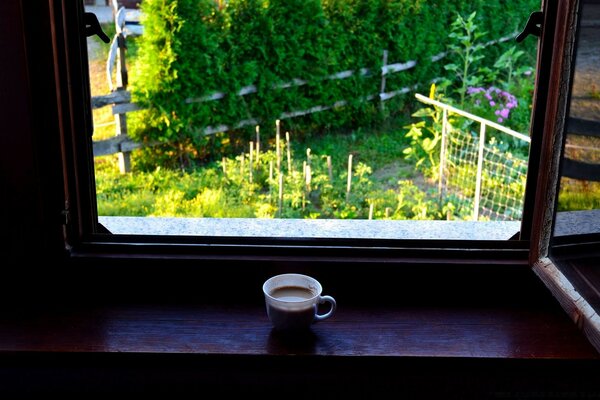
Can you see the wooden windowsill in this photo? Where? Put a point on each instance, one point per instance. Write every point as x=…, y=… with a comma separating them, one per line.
x=499, y=332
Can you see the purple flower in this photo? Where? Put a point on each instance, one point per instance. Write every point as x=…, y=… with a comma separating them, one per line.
x=504, y=112
x=500, y=120
x=492, y=103
x=473, y=90
x=497, y=112
x=487, y=96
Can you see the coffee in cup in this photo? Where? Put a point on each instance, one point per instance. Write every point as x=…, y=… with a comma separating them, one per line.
x=292, y=301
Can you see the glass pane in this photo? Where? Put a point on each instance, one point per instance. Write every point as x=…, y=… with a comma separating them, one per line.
x=578, y=209
x=312, y=118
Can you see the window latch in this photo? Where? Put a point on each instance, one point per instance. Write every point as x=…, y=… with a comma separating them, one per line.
x=533, y=26
x=92, y=27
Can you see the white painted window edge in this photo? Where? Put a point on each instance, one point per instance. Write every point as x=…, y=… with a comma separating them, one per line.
x=578, y=309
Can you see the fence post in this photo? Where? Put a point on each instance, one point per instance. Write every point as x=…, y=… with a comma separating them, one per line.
x=443, y=152
x=382, y=88
x=479, y=172
x=122, y=80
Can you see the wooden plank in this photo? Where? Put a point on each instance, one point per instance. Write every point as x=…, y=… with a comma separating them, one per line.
x=125, y=108
x=115, y=145
x=580, y=170
x=116, y=97
x=583, y=127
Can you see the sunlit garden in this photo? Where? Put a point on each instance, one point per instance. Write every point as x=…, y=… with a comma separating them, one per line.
x=307, y=109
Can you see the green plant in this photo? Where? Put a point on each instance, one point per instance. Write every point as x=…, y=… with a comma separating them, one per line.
x=425, y=137
x=467, y=48
x=194, y=48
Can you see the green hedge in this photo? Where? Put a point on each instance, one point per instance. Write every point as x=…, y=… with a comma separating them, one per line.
x=192, y=48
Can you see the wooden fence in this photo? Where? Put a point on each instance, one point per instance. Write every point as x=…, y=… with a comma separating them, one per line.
x=578, y=169
x=120, y=98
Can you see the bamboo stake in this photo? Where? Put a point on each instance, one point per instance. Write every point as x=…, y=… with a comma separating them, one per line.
x=277, y=147
x=387, y=212
x=329, y=169
x=270, y=181
x=289, y=152
x=371, y=211
x=280, y=194
x=257, y=144
x=349, y=183
x=308, y=177
x=304, y=178
x=251, y=161
x=308, y=156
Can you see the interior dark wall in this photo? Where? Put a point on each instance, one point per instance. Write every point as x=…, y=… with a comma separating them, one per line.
x=20, y=191
x=30, y=166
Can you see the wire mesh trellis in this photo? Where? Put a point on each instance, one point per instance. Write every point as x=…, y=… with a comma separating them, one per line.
x=502, y=177
x=477, y=172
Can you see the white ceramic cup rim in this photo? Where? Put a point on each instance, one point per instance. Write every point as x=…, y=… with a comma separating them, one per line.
x=316, y=287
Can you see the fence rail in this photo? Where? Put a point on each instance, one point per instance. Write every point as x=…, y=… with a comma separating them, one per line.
x=579, y=169
x=120, y=99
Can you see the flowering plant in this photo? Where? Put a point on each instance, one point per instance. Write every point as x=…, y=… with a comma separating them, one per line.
x=492, y=103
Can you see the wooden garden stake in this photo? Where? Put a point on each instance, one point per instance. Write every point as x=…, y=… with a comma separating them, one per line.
x=251, y=160
x=387, y=212
x=257, y=144
x=371, y=211
x=280, y=194
x=277, y=147
x=270, y=180
x=289, y=153
x=349, y=184
x=329, y=169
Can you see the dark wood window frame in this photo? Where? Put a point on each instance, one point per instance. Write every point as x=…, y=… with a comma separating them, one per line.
x=84, y=236
x=72, y=209
x=168, y=296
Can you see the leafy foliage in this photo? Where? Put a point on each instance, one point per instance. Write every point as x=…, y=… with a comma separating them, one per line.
x=193, y=48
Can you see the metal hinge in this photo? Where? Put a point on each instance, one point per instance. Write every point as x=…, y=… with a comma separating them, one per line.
x=533, y=26
x=66, y=214
x=66, y=221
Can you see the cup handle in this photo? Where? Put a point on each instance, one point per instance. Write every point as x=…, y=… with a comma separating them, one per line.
x=326, y=299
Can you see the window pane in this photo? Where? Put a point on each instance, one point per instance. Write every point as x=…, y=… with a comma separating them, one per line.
x=312, y=118
x=579, y=196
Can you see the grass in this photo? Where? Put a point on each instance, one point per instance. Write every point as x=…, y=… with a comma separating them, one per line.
x=379, y=177
x=578, y=195
x=594, y=92
x=205, y=190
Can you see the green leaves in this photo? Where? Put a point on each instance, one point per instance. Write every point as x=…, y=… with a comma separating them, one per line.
x=193, y=49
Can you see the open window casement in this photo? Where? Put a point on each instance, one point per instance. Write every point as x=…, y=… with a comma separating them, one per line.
x=567, y=263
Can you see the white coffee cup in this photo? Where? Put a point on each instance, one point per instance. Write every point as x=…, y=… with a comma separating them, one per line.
x=292, y=301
